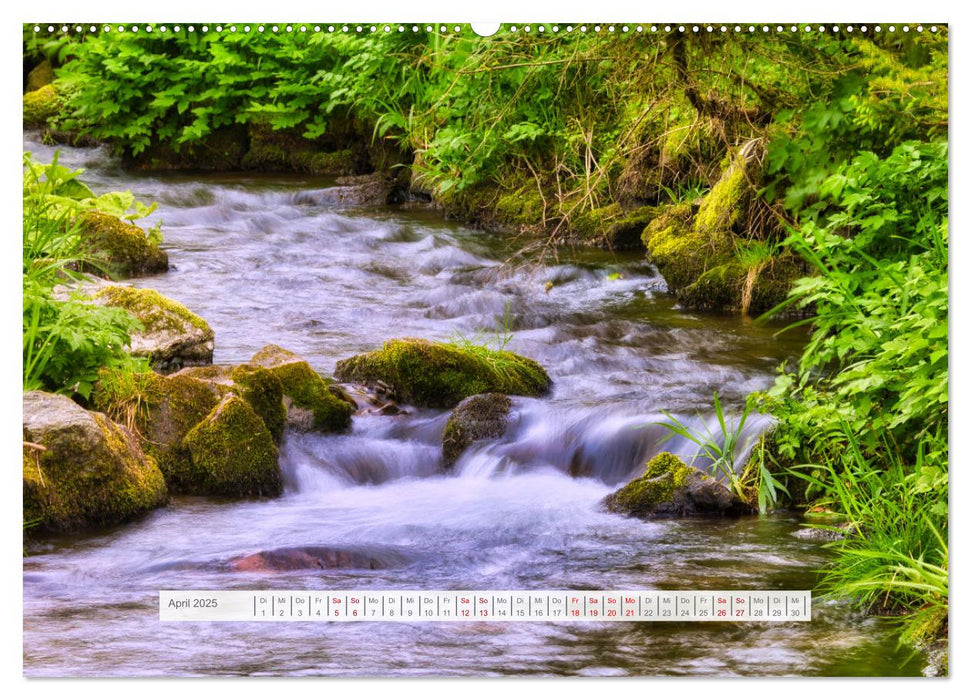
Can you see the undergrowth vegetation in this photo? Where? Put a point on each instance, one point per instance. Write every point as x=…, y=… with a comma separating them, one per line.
x=66, y=338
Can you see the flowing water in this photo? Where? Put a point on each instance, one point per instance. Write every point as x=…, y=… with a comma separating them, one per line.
x=278, y=260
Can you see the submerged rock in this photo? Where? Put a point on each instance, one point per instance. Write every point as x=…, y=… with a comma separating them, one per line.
x=232, y=454
x=80, y=469
x=310, y=558
x=125, y=250
x=439, y=375
x=670, y=488
x=478, y=417
x=311, y=402
x=172, y=337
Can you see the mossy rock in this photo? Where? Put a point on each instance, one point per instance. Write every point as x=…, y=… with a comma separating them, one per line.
x=123, y=249
x=670, y=488
x=232, y=454
x=172, y=337
x=268, y=157
x=161, y=410
x=40, y=76
x=480, y=417
x=287, y=150
x=257, y=386
x=680, y=252
x=717, y=289
x=263, y=391
x=82, y=470
x=41, y=105
x=522, y=209
x=311, y=402
x=613, y=227
x=439, y=375
x=769, y=284
x=725, y=205
x=335, y=163
x=752, y=290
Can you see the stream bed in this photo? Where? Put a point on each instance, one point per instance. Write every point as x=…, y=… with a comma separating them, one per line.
x=279, y=260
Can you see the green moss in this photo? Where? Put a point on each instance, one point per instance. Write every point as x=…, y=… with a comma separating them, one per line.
x=232, y=454
x=664, y=475
x=41, y=75
x=521, y=208
x=613, y=227
x=681, y=253
x=123, y=249
x=335, y=163
x=665, y=463
x=439, y=375
x=306, y=390
x=263, y=391
x=719, y=288
x=266, y=156
x=168, y=407
x=41, y=105
x=156, y=312
x=724, y=206
x=91, y=473
x=277, y=150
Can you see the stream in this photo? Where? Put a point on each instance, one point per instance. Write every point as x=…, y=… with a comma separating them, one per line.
x=268, y=259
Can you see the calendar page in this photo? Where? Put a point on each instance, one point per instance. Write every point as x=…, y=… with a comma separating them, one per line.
x=544, y=349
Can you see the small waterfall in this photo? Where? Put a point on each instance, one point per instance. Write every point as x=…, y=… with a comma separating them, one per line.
x=585, y=442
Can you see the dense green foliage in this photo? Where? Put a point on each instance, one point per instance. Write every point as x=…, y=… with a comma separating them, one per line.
x=571, y=109
x=66, y=340
x=864, y=176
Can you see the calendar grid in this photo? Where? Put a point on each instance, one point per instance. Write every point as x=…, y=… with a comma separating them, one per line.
x=467, y=606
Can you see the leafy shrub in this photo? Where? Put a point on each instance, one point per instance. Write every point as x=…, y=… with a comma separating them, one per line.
x=66, y=340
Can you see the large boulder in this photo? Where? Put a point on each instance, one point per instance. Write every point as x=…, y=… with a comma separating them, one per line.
x=160, y=410
x=232, y=453
x=312, y=403
x=480, y=417
x=120, y=248
x=80, y=469
x=671, y=488
x=256, y=385
x=213, y=430
x=172, y=337
x=439, y=375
